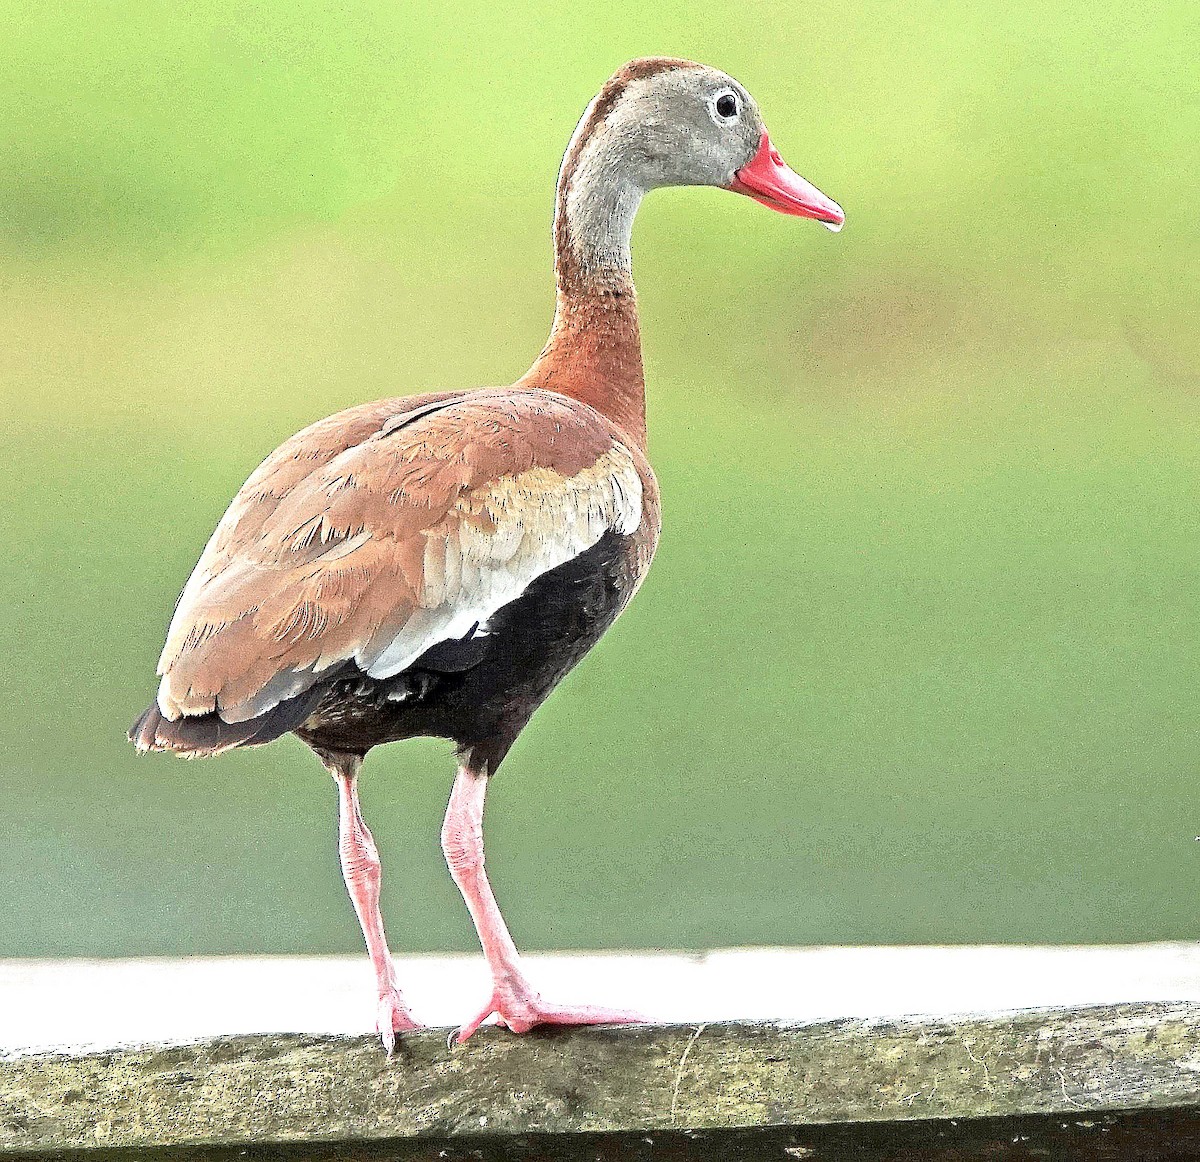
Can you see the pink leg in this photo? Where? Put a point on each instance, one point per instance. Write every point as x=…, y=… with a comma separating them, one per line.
x=513, y=999
x=361, y=871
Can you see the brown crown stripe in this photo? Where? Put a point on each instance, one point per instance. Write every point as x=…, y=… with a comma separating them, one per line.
x=614, y=88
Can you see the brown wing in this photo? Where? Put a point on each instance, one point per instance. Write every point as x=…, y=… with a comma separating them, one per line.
x=384, y=529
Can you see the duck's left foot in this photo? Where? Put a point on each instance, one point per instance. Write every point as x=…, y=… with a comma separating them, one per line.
x=520, y=1008
x=393, y=1017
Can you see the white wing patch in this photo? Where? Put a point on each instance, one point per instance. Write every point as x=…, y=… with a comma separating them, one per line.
x=497, y=540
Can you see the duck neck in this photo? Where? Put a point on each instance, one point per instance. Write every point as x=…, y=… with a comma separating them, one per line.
x=594, y=353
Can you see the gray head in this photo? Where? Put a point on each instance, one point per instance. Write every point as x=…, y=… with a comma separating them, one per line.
x=657, y=122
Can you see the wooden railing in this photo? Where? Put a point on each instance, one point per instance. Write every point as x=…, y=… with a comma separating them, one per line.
x=1109, y=1081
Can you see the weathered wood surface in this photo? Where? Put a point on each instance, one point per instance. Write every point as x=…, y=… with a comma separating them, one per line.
x=1078, y=1065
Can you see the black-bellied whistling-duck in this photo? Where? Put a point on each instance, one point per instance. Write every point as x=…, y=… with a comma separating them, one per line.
x=434, y=565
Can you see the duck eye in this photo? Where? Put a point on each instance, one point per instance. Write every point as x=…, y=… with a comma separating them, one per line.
x=727, y=105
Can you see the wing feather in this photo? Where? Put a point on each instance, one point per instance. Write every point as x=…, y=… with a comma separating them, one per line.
x=373, y=536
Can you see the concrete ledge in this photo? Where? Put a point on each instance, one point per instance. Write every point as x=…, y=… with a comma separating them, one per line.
x=80, y=1005
x=288, y=1090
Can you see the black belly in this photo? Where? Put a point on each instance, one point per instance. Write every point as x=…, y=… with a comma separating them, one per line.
x=481, y=691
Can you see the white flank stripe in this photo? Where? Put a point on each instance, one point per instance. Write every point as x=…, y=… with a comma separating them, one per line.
x=499, y=539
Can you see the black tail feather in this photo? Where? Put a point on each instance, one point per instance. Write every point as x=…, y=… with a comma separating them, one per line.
x=202, y=735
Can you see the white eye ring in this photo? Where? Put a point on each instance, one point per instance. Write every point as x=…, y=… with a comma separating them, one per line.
x=725, y=106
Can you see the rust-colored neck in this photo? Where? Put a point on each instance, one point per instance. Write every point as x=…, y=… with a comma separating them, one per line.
x=594, y=353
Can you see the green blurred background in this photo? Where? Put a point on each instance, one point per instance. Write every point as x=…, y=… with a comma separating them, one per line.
x=917, y=661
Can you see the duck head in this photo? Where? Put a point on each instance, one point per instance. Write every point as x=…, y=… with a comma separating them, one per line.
x=660, y=121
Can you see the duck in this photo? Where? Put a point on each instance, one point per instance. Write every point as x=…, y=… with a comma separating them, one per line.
x=434, y=565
